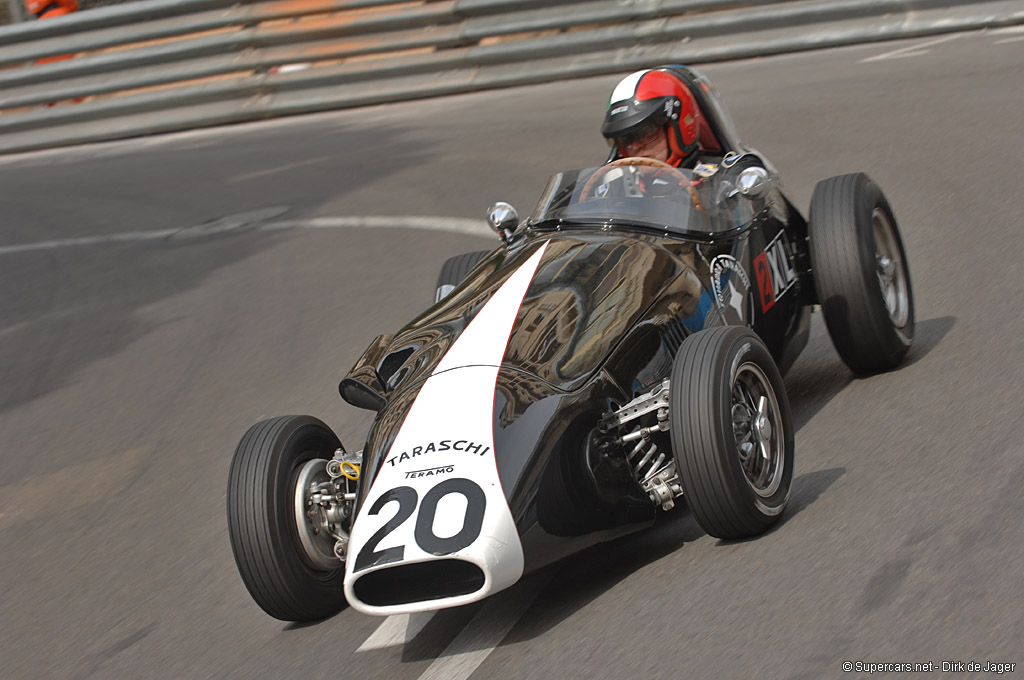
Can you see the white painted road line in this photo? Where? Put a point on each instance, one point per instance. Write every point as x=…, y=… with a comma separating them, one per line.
x=396, y=630
x=457, y=225
x=485, y=631
x=279, y=169
x=88, y=241
x=911, y=51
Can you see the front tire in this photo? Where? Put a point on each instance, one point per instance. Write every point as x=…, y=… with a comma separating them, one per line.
x=287, y=580
x=861, y=273
x=731, y=431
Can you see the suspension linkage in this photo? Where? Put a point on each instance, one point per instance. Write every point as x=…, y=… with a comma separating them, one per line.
x=644, y=433
x=655, y=400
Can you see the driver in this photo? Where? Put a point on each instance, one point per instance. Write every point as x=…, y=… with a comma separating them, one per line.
x=652, y=113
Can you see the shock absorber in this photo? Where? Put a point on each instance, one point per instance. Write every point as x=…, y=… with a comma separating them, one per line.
x=654, y=469
x=645, y=450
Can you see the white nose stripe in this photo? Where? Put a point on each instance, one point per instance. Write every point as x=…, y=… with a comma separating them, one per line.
x=484, y=341
x=440, y=473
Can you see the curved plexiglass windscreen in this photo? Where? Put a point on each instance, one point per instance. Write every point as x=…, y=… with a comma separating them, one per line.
x=675, y=200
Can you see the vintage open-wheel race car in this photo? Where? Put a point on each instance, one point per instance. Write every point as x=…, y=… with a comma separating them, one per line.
x=622, y=349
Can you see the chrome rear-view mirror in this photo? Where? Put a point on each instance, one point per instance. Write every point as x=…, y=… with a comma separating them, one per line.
x=503, y=219
x=753, y=183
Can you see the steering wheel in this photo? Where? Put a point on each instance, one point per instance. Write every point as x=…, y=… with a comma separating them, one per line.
x=640, y=160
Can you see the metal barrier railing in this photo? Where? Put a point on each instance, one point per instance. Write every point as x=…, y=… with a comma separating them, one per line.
x=161, y=65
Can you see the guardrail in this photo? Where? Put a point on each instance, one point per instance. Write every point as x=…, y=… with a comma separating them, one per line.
x=163, y=65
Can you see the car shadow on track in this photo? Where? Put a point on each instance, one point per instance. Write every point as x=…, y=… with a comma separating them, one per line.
x=561, y=590
x=577, y=581
x=816, y=378
x=819, y=375
x=927, y=336
x=807, y=488
x=586, y=576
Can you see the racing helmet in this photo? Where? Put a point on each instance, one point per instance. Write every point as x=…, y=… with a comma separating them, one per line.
x=649, y=100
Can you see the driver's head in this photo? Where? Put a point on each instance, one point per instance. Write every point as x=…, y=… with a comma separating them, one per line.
x=651, y=113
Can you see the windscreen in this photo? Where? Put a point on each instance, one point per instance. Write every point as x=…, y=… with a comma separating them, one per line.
x=672, y=199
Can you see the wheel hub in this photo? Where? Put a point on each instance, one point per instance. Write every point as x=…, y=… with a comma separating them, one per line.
x=315, y=513
x=889, y=269
x=757, y=429
x=762, y=430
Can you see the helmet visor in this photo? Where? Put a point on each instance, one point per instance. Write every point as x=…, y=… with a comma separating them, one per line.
x=629, y=143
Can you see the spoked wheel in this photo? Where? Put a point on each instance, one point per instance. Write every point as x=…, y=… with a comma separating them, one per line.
x=861, y=273
x=893, y=279
x=755, y=418
x=284, y=554
x=732, y=432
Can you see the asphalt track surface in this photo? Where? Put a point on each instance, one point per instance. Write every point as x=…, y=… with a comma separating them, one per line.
x=133, y=361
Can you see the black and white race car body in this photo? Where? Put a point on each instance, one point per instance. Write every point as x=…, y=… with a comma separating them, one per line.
x=621, y=350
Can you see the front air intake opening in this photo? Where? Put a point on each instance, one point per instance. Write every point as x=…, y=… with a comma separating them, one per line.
x=407, y=583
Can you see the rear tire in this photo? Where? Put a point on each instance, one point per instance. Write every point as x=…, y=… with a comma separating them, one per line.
x=262, y=524
x=861, y=273
x=732, y=432
x=454, y=271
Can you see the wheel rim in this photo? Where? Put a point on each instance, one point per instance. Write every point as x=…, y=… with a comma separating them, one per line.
x=316, y=541
x=757, y=427
x=890, y=270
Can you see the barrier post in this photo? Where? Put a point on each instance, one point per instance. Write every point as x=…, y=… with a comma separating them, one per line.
x=17, y=11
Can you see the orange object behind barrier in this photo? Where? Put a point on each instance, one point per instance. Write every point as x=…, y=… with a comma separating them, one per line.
x=49, y=9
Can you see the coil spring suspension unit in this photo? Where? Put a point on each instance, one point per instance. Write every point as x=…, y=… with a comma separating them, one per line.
x=654, y=468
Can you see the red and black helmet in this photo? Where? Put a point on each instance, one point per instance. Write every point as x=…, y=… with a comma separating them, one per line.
x=654, y=98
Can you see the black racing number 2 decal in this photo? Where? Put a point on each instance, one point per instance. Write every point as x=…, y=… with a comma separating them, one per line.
x=476, y=503
x=406, y=497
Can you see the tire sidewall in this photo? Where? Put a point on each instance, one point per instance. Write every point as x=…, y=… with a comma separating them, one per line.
x=306, y=442
x=868, y=198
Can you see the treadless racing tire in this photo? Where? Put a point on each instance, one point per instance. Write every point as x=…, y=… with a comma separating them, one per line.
x=861, y=273
x=732, y=432
x=261, y=519
x=454, y=270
